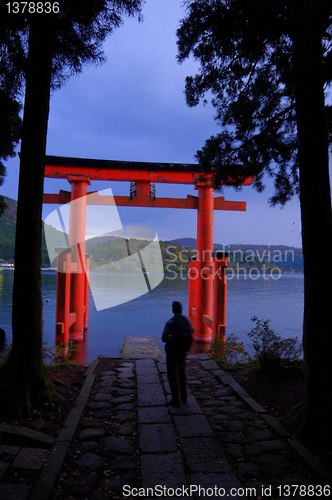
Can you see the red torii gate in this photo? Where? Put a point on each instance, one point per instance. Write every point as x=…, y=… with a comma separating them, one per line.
x=72, y=289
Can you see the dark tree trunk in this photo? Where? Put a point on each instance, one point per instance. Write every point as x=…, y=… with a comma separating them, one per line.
x=315, y=198
x=23, y=376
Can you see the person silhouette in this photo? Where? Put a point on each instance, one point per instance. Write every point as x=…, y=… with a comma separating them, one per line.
x=177, y=336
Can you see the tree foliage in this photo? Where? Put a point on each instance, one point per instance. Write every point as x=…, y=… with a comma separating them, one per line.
x=245, y=51
x=11, y=57
x=80, y=28
x=10, y=127
x=53, y=47
x=268, y=67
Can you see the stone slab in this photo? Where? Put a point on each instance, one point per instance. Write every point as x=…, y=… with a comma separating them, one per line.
x=190, y=408
x=149, y=378
x=145, y=366
x=124, y=367
x=98, y=405
x=162, y=366
x=153, y=415
x=91, y=368
x=138, y=345
x=208, y=364
x=218, y=372
x=225, y=379
x=124, y=416
x=30, y=458
x=119, y=445
x=123, y=391
x=101, y=396
x=204, y=455
x=239, y=389
x=164, y=470
x=9, y=429
x=91, y=461
x=122, y=463
x=42, y=488
x=72, y=421
x=126, y=384
x=151, y=395
x=254, y=405
x=256, y=434
x=202, y=355
x=125, y=407
x=126, y=429
x=121, y=399
x=85, y=390
x=3, y=467
x=6, y=449
x=167, y=389
x=192, y=426
x=34, y=437
x=276, y=425
x=91, y=433
x=127, y=374
x=156, y=438
x=269, y=446
x=10, y=491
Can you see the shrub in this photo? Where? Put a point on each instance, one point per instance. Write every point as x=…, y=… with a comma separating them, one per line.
x=272, y=351
x=61, y=354
x=230, y=350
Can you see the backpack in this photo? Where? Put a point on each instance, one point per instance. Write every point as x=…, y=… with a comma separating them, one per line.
x=181, y=334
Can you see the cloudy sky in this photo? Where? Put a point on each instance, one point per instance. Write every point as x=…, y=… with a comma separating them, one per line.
x=133, y=108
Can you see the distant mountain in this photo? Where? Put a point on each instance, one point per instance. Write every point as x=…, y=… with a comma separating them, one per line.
x=102, y=239
x=7, y=234
x=111, y=248
x=7, y=230
x=185, y=242
x=191, y=242
x=283, y=257
x=8, y=222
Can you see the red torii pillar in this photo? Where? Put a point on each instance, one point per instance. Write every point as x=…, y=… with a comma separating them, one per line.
x=63, y=318
x=76, y=241
x=219, y=295
x=192, y=276
x=204, y=262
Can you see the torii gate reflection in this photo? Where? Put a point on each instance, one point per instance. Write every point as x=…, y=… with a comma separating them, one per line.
x=72, y=288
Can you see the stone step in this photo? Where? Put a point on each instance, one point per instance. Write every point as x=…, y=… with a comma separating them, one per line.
x=141, y=346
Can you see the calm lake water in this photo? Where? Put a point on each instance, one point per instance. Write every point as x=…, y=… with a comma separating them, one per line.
x=279, y=300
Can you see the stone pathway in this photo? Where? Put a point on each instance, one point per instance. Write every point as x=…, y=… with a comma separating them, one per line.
x=121, y=437
x=24, y=459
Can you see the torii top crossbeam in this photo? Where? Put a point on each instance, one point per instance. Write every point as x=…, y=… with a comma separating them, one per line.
x=143, y=173
x=112, y=170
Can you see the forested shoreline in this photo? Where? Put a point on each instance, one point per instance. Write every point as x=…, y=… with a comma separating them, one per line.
x=175, y=254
